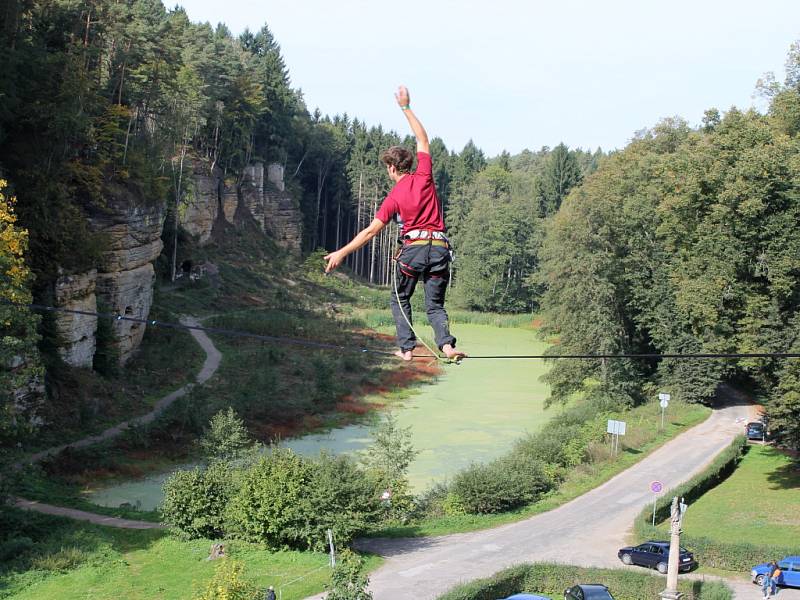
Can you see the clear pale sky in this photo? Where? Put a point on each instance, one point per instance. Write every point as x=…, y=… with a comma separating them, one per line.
x=514, y=74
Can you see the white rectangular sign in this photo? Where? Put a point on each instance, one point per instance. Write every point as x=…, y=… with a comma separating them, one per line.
x=664, y=396
x=616, y=427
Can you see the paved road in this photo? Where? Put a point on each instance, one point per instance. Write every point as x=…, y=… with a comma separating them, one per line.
x=586, y=531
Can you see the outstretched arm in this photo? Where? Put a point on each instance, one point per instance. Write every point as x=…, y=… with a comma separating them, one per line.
x=404, y=100
x=362, y=238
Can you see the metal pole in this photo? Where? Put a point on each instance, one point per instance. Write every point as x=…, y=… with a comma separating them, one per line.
x=662, y=417
x=333, y=551
x=655, y=498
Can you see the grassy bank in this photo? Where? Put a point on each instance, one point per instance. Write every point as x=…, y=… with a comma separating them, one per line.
x=758, y=502
x=712, y=489
x=64, y=560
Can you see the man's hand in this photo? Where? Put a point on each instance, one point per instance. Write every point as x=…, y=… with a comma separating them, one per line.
x=334, y=260
x=402, y=97
x=404, y=100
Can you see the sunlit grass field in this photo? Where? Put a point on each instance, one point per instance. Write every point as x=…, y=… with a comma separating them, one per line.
x=758, y=503
x=153, y=565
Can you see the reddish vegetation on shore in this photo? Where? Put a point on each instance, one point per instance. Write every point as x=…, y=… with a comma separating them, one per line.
x=135, y=463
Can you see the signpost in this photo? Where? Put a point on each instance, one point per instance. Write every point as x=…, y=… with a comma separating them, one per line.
x=664, y=399
x=656, y=487
x=616, y=429
x=332, y=549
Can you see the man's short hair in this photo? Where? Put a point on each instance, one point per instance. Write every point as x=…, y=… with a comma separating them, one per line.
x=398, y=157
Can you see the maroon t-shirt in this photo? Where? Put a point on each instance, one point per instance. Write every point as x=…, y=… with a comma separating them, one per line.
x=414, y=198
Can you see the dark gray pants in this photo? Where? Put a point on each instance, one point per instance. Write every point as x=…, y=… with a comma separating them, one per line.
x=431, y=264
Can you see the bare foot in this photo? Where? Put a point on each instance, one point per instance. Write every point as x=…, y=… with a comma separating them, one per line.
x=406, y=356
x=452, y=353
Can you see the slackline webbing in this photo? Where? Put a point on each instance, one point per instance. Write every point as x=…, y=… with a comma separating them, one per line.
x=365, y=350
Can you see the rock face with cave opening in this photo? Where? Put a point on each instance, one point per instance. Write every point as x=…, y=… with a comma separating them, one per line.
x=131, y=228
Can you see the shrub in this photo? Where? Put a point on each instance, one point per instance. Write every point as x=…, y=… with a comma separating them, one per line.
x=195, y=500
x=552, y=580
x=388, y=459
x=511, y=481
x=60, y=561
x=500, y=585
x=438, y=501
x=272, y=504
x=348, y=581
x=532, y=470
x=228, y=583
x=15, y=547
x=491, y=488
x=341, y=498
x=226, y=438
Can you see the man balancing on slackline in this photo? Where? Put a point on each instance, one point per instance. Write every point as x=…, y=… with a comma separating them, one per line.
x=425, y=252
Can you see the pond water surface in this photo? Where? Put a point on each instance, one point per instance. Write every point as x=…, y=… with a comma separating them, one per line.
x=472, y=413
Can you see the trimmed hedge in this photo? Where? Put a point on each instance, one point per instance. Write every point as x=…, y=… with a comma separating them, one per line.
x=552, y=579
x=710, y=553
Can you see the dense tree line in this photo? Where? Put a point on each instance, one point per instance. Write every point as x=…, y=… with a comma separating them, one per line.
x=496, y=219
x=106, y=95
x=684, y=242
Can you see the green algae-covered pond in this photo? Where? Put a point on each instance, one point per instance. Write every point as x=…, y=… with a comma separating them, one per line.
x=472, y=413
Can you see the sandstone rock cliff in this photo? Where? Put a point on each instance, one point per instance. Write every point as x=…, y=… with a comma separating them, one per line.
x=76, y=332
x=265, y=200
x=125, y=275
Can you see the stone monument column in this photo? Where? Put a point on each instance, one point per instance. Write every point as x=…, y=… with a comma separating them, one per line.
x=672, y=593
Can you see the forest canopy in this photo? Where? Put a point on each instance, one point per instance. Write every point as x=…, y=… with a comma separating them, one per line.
x=685, y=241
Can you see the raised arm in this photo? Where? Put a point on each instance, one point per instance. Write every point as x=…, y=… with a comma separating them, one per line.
x=404, y=101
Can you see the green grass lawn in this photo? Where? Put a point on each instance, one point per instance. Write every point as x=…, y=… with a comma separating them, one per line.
x=758, y=503
x=78, y=561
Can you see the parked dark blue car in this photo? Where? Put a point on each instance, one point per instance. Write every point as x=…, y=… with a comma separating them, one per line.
x=755, y=430
x=656, y=556
x=790, y=572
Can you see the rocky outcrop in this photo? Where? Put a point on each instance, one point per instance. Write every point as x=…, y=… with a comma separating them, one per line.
x=27, y=400
x=252, y=193
x=264, y=200
x=76, y=332
x=202, y=201
x=125, y=275
x=281, y=212
x=128, y=293
x=272, y=207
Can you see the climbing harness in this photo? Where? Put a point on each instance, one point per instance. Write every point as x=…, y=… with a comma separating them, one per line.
x=418, y=237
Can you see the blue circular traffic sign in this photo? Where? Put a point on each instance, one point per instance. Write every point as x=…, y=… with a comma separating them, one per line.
x=656, y=487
